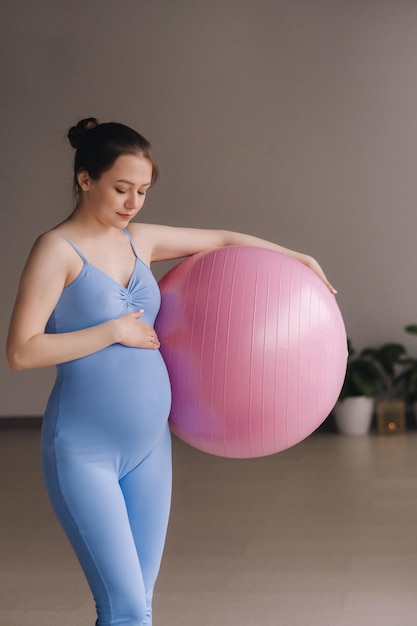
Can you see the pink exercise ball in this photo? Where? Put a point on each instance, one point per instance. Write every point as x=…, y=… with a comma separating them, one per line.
x=255, y=346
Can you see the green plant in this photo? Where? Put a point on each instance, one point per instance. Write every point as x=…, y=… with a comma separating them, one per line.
x=363, y=375
x=388, y=358
x=408, y=377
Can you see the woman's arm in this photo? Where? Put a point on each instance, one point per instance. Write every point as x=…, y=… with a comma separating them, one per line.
x=167, y=242
x=42, y=282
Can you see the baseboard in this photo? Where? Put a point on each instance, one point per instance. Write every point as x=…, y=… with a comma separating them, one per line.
x=23, y=421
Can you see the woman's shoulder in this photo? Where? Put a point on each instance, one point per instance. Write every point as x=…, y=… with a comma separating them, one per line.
x=143, y=233
x=51, y=243
x=143, y=236
x=51, y=259
x=52, y=238
x=138, y=228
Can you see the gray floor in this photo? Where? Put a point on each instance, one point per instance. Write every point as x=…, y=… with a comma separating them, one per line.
x=323, y=534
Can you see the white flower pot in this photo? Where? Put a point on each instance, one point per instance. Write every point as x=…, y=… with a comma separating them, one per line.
x=353, y=416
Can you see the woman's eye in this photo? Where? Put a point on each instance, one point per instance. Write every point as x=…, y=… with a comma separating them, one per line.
x=120, y=190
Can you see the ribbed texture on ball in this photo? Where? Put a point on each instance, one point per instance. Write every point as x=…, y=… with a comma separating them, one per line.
x=255, y=347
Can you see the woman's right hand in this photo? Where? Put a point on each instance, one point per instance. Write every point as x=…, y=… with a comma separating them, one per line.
x=133, y=333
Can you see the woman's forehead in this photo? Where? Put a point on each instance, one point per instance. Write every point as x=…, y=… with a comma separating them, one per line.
x=132, y=168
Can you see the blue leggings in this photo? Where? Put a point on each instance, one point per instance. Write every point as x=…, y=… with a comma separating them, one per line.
x=116, y=525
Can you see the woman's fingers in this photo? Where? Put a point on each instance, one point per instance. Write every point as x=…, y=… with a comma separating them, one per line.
x=137, y=334
x=154, y=341
x=315, y=266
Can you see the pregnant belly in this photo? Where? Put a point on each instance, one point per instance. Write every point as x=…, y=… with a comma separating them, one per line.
x=118, y=394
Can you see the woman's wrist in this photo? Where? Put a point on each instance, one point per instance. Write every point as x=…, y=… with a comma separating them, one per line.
x=112, y=332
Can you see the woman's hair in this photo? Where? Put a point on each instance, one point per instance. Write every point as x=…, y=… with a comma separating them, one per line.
x=99, y=145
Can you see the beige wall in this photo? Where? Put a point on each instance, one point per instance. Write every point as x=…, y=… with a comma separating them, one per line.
x=291, y=119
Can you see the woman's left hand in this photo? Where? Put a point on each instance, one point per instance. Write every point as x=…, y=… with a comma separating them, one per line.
x=316, y=268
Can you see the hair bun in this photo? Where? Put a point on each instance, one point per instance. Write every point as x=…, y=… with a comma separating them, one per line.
x=76, y=133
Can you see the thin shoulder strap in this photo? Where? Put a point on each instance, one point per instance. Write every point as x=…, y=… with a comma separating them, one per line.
x=75, y=248
x=129, y=235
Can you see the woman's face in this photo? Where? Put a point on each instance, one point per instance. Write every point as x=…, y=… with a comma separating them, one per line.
x=118, y=195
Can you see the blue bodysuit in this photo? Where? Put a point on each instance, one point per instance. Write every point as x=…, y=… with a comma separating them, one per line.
x=106, y=446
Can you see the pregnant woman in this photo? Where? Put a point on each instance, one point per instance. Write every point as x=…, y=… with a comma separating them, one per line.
x=87, y=302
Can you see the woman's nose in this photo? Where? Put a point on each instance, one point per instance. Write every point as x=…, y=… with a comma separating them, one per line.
x=133, y=201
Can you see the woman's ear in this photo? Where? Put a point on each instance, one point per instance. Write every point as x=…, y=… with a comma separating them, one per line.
x=83, y=180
